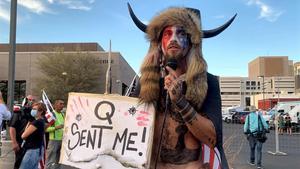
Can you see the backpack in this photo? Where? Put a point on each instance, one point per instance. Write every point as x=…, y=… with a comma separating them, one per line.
x=261, y=135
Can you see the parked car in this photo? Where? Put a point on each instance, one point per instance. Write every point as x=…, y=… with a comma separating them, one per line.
x=227, y=118
x=267, y=116
x=243, y=118
x=236, y=117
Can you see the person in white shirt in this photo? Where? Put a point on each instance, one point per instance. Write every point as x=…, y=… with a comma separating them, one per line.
x=4, y=112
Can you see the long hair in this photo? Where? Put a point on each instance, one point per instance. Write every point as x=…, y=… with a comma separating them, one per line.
x=196, y=77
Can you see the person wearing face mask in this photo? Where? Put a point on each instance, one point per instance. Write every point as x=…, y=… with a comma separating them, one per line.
x=20, y=118
x=33, y=137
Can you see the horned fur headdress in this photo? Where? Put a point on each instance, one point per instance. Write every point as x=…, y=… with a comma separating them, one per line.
x=196, y=75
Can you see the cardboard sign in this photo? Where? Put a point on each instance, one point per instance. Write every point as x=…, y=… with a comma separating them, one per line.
x=107, y=132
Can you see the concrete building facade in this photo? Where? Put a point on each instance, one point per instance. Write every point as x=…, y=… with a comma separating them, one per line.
x=244, y=91
x=270, y=66
x=297, y=76
x=26, y=69
x=268, y=77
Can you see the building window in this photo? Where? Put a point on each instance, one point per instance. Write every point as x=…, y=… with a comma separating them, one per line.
x=248, y=101
x=20, y=90
x=124, y=89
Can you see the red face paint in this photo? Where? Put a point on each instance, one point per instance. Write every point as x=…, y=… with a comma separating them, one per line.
x=174, y=41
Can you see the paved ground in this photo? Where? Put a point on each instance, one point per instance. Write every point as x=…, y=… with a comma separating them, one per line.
x=237, y=149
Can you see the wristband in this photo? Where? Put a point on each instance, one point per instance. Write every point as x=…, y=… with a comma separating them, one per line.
x=186, y=110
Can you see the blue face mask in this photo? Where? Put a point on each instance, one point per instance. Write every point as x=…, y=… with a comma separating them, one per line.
x=33, y=113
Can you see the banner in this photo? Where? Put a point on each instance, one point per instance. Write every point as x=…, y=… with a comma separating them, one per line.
x=107, y=132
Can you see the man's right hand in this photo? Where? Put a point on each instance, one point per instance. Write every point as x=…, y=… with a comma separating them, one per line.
x=15, y=146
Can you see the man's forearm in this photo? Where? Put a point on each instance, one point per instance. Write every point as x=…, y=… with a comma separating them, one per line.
x=201, y=127
x=12, y=132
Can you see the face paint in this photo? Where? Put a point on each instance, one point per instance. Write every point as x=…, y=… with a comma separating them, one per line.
x=174, y=41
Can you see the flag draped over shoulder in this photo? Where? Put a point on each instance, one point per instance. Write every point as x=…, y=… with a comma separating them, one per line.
x=50, y=115
x=211, y=156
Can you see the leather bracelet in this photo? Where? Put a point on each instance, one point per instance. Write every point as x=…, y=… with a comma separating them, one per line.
x=189, y=116
x=181, y=103
x=186, y=110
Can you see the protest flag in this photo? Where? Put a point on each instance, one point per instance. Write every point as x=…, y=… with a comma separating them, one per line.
x=50, y=115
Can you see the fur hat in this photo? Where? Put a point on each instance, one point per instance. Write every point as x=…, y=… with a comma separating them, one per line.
x=196, y=79
x=196, y=75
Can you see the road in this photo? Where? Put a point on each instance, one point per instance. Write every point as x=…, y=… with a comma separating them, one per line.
x=237, y=149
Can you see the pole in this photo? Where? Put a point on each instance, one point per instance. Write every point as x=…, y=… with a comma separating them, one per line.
x=12, y=59
x=277, y=152
x=12, y=54
x=263, y=77
x=131, y=86
x=241, y=92
x=108, y=84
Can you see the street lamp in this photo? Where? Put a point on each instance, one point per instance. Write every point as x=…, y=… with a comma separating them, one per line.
x=242, y=94
x=277, y=151
x=263, y=89
x=278, y=89
x=65, y=74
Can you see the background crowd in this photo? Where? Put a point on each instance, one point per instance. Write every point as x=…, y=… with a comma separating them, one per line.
x=35, y=141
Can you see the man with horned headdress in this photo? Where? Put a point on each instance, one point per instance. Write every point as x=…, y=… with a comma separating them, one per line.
x=187, y=98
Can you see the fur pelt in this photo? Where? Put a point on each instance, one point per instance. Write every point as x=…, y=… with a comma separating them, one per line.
x=196, y=78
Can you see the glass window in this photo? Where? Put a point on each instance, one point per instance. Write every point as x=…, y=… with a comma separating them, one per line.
x=19, y=93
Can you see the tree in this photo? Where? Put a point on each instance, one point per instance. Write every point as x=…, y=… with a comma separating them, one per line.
x=67, y=72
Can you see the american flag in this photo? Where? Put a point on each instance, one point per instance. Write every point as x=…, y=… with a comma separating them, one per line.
x=43, y=159
x=50, y=116
x=211, y=156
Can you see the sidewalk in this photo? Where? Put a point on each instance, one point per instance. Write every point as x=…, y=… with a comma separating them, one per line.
x=7, y=157
x=269, y=161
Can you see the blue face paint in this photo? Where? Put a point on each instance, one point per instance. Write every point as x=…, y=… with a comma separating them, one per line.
x=33, y=113
x=175, y=41
x=182, y=37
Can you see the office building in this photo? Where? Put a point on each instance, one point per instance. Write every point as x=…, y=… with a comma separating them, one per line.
x=26, y=69
x=269, y=66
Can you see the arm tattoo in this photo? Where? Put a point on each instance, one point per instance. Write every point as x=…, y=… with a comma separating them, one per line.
x=186, y=110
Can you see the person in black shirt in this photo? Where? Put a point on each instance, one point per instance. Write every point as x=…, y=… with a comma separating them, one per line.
x=18, y=122
x=33, y=137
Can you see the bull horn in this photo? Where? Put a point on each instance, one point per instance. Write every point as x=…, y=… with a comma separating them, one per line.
x=216, y=31
x=137, y=22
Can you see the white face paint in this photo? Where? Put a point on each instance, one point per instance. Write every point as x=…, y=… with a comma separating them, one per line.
x=174, y=42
